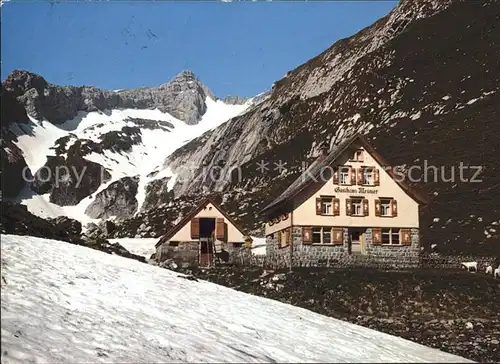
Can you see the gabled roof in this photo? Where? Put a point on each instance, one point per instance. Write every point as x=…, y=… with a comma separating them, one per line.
x=191, y=215
x=312, y=173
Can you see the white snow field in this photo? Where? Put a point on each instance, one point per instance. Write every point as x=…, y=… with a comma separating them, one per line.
x=63, y=303
x=37, y=141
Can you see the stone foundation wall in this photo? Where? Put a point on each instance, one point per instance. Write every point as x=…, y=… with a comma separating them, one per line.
x=305, y=255
x=434, y=261
x=338, y=256
x=276, y=256
x=407, y=256
x=184, y=254
x=380, y=257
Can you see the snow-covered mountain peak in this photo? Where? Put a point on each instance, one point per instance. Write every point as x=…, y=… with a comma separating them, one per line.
x=186, y=76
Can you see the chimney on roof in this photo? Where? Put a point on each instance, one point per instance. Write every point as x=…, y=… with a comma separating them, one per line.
x=324, y=149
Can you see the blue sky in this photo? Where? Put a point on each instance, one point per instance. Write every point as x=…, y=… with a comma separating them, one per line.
x=234, y=48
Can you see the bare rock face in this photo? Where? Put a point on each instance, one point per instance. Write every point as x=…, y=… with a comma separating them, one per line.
x=183, y=97
x=71, y=178
x=118, y=199
x=17, y=220
x=157, y=193
x=13, y=162
x=64, y=223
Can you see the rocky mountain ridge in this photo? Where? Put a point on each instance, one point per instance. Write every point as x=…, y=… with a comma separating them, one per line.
x=183, y=97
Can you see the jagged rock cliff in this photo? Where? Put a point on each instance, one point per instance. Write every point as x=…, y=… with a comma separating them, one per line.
x=118, y=199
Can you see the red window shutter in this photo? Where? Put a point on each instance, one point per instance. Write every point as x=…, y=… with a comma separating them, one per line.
x=220, y=229
x=365, y=207
x=377, y=208
x=376, y=236
x=336, y=176
x=336, y=207
x=338, y=236
x=394, y=208
x=359, y=172
x=195, y=228
x=348, y=207
x=307, y=235
x=352, y=174
x=376, y=178
x=405, y=236
x=318, y=206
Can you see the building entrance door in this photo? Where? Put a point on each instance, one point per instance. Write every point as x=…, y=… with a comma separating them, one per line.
x=357, y=240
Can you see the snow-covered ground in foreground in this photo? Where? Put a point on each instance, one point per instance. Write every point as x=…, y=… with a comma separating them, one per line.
x=143, y=246
x=71, y=304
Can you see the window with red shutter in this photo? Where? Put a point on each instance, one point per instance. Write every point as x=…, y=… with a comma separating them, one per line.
x=376, y=236
x=195, y=228
x=406, y=237
x=352, y=173
x=377, y=208
x=344, y=175
x=220, y=229
x=307, y=235
x=338, y=236
x=394, y=208
x=318, y=206
x=348, y=206
x=385, y=207
x=336, y=207
x=336, y=176
x=359, y=174
x=376, y=181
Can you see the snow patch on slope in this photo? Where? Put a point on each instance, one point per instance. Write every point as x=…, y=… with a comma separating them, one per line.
x=67, y=303
x=36, y=140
